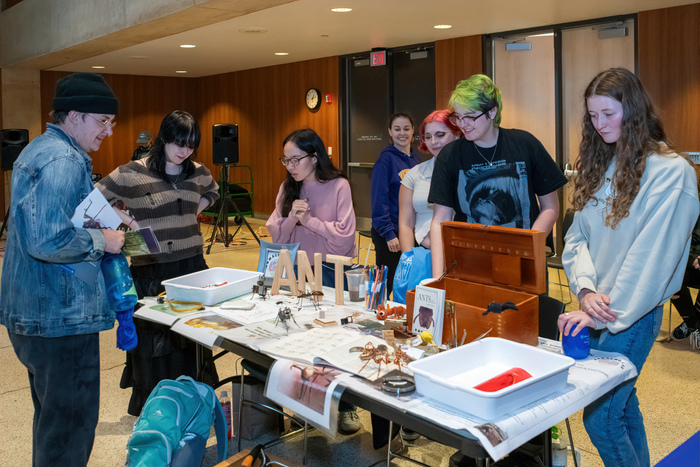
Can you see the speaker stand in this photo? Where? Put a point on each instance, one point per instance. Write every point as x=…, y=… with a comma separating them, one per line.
x=221, y=224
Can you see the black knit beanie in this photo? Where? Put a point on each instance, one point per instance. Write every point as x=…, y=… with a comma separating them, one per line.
x=85, y=92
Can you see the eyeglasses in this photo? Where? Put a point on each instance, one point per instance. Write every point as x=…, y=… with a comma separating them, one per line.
x=426, y=138
x=456, y=119
x=293, y=160
x=105, y=123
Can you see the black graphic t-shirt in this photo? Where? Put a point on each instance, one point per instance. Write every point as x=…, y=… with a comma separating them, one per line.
x=498, y=190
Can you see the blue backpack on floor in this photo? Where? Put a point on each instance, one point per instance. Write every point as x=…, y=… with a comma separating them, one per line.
x=174, y=425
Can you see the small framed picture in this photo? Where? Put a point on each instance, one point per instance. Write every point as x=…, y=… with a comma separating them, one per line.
x=269, y=254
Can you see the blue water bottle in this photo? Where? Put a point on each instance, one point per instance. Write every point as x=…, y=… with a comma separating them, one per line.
x=122, y=297
x=577, y=347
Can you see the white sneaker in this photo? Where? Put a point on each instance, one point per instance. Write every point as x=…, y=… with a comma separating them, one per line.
x=695, y=340
x=349, y=422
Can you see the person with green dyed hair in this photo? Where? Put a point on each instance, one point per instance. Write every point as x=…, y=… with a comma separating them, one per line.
x=478, y=92
x=492, y=176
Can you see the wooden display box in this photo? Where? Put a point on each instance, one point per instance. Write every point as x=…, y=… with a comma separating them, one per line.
x=493, y=264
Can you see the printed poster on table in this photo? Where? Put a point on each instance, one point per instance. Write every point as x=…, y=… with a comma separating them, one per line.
x=307, y=390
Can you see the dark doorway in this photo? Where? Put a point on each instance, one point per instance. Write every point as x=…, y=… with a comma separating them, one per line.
x=373, y=93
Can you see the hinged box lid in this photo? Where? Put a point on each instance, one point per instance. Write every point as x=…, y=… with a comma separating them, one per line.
x=494, y=255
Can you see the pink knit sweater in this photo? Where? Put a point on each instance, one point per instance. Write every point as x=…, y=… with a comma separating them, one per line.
x=330, y=226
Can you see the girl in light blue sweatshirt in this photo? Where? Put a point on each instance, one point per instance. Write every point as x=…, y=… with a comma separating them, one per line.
x=636, y=202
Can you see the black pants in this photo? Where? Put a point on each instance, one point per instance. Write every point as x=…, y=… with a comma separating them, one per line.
x=160, y=353
x=64, y=377
x=689, y=311
x=385, y=257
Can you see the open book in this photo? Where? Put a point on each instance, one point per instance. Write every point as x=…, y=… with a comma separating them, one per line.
x=335, y=346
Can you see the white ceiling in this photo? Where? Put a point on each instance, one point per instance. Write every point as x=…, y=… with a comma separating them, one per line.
x=307, y=29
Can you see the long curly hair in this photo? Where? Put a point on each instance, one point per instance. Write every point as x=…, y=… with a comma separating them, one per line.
x=641, y=134
x=308, y=141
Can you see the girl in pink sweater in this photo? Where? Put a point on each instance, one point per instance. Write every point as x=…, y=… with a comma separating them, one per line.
x=314, y=204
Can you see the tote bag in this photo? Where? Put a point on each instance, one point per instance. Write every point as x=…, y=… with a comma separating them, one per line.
x=414, y=266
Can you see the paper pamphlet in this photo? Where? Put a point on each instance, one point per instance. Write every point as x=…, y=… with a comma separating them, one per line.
x=204, y=327
x=95, y=213
x=430, y=314
x=140, y=242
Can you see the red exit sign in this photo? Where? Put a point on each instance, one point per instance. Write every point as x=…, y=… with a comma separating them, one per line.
x=377, y=58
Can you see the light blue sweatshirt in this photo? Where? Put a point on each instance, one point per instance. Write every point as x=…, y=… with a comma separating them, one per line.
x=639, y=264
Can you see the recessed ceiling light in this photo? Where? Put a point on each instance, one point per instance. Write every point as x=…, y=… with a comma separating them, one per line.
x=341, y=10
x=281, y=53
x=181, y=71
x=188, y=46
x=544, y=34
x=442, y=26
x=138, y=57
x=98, y=67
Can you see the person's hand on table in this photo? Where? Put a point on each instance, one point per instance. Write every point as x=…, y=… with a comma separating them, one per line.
x=596, y=305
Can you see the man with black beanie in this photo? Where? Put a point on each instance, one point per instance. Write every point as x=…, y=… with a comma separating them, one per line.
x=52, y=313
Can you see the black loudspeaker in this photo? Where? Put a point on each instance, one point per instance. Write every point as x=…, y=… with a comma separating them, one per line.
x=225, y=147
x=13, y=141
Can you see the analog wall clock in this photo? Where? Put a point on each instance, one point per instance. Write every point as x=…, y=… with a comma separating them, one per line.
x=313, y=99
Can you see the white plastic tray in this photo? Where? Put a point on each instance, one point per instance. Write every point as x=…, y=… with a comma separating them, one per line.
x=450, y=376
x=191, y=287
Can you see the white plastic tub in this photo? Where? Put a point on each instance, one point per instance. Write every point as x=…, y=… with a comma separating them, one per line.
x=192, y=287
x=450, y=376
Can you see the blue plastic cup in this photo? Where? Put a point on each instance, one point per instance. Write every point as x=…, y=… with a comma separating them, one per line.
x=577, y=347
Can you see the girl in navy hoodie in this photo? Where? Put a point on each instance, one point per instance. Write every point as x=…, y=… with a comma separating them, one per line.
x=393, y=163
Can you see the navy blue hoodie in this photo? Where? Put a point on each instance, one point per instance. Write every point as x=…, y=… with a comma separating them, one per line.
x=387, y=174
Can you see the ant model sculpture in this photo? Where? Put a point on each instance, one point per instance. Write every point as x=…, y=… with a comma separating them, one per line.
x=283, y=316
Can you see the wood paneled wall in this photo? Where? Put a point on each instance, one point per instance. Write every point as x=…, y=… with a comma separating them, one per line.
x=455, y=60
x=669, y=67
x=143, y=102
x=266, y=103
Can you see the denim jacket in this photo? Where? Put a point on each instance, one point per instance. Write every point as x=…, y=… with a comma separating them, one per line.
x=38, y=295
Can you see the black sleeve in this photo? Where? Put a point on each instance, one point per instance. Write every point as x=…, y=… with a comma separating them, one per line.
x=443, y=186
x=546, y=175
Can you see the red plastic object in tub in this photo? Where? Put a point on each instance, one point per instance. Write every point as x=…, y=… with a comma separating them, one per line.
x=505, y=379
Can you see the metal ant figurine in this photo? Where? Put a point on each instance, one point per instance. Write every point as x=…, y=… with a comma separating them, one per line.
x=315, y=296
x=260, y=288
x=380, y=354
x=283, y=316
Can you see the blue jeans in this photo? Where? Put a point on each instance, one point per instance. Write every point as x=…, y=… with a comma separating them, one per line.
x=64, y=377
x=614, y=421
